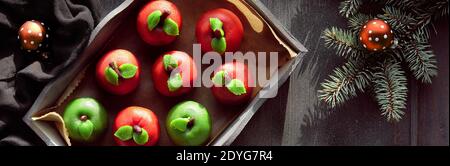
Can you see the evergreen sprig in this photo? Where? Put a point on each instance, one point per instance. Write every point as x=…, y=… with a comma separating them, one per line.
x=390, y=88
x=348, y=8
x=381, y=71
x=344, y=41
x=442, y=9
x=421, y=60
x=400, y=21
x=404, y=4
x=357, y=21
x=434, y=9
x=344, y=83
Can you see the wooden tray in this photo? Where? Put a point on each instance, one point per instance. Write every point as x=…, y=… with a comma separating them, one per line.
x=118, y=30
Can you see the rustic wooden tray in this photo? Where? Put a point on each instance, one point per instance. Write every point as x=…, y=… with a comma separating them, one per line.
x=117, y=30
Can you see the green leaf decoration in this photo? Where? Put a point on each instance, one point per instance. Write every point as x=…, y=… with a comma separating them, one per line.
x=216, y=24
x=219, y=45
x=86, y=128
x=124, y=133
x=111, y=76
x=128, y=70
x=141, y=138
x=236, y=87
x=170, y=61
x=171, y=27
x=153, y=19
x=175, y=82
x=222, y=33
x=179, y=124
x=219, y=78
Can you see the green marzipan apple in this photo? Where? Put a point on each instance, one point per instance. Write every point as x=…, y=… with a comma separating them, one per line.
x=85, y=119
x=189, y=124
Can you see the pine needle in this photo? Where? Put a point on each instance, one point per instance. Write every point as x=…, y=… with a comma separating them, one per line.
x=357, y=21
x=421, y=60
x=400, y=21
x=348, y=8
x=344, y=83
x=343, y=41
x=391, y=90
x=404, y=4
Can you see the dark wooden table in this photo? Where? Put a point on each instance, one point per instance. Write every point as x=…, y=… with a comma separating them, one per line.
x=295, y=116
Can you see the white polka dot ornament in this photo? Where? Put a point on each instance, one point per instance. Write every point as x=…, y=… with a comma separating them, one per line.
x=376, y=35
x=33, y=36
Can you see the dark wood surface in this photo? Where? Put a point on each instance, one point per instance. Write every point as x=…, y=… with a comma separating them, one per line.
x=295, y=116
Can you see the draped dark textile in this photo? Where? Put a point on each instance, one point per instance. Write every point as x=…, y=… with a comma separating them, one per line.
x=22, y=77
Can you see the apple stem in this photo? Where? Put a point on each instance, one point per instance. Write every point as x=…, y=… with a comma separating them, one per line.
x=190, y=124
x=83, y=118
x=137, y=129
x=115, y=68
x=217, y=34
x=169, y=69
x=165, y=14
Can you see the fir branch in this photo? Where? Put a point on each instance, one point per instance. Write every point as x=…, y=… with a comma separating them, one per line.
x=348, y=8
x=344, y=83
x=445, y=9
x=400, y=21
x=427, y=12
x=391, y=90
x=404, y=4
x=396, y=54
x=343, y=41
x=432, y=10
x=421, y=59
x=421, y=35
x=439, y=8
x=357, y=21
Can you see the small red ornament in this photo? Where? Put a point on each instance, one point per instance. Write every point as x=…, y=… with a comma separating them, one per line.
x=376, y=35
x=33, y=36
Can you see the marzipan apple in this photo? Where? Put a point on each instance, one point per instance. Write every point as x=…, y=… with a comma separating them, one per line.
x=189, y=124
x=85, y=119
x=118, y=72
x=136, y=126
x=231, y=83
x=219, y=30
x=174, y=73
x=159, y=23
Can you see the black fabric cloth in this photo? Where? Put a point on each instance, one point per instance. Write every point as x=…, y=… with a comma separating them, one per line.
x=22, y=77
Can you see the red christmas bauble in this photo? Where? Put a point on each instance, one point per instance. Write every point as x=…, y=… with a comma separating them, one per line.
x=33, y=36
x=376, y=35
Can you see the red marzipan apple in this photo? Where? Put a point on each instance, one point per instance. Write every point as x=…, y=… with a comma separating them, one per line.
x=230, y=87
x=171, y=71
x=118, y=72
x=219, y=30
x=136, y=126
x=159, y=23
